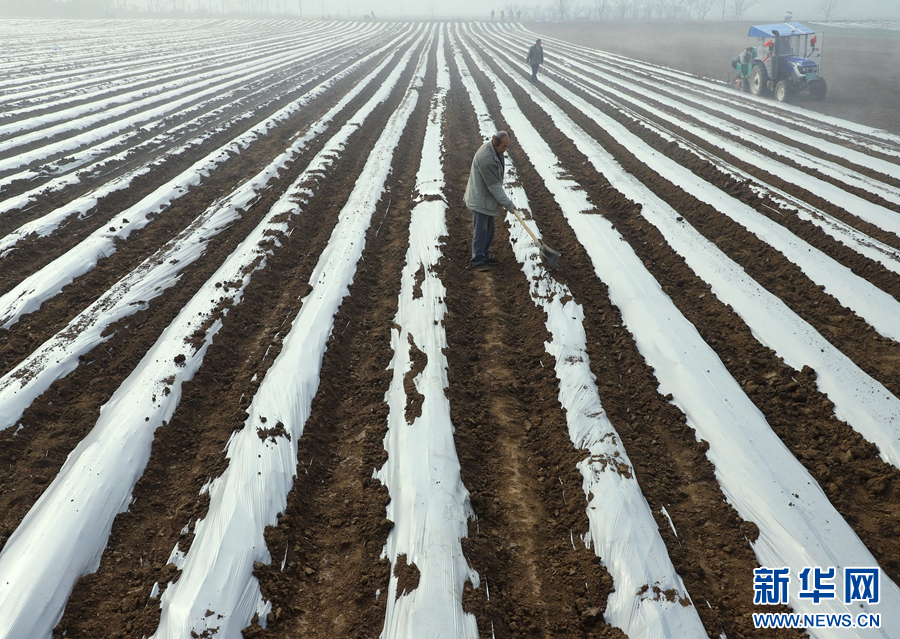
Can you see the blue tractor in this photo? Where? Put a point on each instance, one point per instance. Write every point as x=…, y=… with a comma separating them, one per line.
x=786, y=66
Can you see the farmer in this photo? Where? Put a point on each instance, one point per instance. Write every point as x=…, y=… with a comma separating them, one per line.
x=485, y=195
x=742, y=63
x=744, y=57
x=535, y=57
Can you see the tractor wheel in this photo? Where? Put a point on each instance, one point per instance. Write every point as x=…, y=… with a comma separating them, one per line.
x=782, y=91
x=818, y=90
x=758, y=78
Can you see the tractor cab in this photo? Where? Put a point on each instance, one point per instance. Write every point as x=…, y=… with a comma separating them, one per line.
x=787, y=61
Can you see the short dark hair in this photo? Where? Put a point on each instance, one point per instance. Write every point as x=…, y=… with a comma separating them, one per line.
x=498, y=137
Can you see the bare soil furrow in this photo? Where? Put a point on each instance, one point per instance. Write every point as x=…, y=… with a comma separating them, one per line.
x=138, y=82
x=761, y=172
x=798, y=413
x=141, y=146
x=274, y=61
x=84, y=66
x=517, y=461
x=855, y=479
x=328, y=576
x=283, y=77
x=739, y=124
x=108, y=365
x=221, y=116
x=334, y=530
x=851, y=66
x=18, y=341
x=213, y=406
x=876, y=355
x=710, y=551
x=742, y=190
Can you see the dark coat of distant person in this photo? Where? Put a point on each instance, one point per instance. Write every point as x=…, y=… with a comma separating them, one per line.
x=535, y=58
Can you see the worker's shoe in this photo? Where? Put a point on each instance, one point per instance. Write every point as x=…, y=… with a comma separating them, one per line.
x=491, y=261
x=480, y=267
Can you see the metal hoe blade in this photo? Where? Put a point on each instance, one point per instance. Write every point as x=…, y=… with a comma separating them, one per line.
x=549, y=256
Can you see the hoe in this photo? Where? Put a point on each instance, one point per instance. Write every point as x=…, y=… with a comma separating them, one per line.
x=548, y=255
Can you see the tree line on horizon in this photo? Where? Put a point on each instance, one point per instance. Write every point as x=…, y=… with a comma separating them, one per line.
x=550, y=10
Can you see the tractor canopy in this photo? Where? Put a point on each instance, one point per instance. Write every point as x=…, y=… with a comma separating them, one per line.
x=784, y=29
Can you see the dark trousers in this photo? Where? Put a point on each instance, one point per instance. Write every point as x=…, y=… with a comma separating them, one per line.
x=534, y=68
x=482, y=236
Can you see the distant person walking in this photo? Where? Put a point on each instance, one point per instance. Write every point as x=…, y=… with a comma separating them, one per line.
x=519, y=16
x=485, y=195
x=535, y=58
x=492, y=15
x=502, y=15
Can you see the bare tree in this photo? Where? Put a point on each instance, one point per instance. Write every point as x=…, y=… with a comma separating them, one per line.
x=581, y=12
x=673, y=9
x=514, y=10
x=701, y=7
x=741, y=6
x=828, y=7
x=621, y=8
x=562, y=8
x=639, y=9
x=600, y=9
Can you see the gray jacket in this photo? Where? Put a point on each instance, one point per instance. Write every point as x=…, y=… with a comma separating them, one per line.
x=535, y=55
x=484, y=192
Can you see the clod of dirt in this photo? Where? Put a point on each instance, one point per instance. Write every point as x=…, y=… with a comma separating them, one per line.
x=254, y=630
x=420, y=277
x=272, y=432
x=407, y=576
x=414, y=399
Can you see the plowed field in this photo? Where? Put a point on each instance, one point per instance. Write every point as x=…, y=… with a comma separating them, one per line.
x=251, y=385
